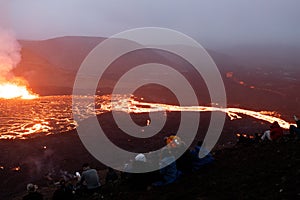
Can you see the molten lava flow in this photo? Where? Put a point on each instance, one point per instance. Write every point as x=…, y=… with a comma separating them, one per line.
x=12, y=90
x=133, y=106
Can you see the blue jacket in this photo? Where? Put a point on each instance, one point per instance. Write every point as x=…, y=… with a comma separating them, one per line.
x=200, y=162
x=168, y=170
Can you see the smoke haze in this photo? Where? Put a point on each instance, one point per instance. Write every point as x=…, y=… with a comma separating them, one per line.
x=9, y=53
x=227, y=22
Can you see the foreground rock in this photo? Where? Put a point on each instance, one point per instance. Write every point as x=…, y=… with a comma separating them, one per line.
x=253, y=171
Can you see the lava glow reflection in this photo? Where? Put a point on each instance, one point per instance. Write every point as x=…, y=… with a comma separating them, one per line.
x=47, y=115
x=11, y=91
x=133, y=106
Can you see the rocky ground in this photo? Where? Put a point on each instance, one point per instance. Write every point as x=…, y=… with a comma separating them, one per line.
x=255, y=170
x=246, y=171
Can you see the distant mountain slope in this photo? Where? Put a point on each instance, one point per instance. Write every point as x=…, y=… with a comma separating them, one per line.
x=261, y=77
x=65, y=52
x=43, y=77
x=50, y=66
x=61, y=58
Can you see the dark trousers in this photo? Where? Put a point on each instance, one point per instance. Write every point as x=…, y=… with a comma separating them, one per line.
x=294, y=130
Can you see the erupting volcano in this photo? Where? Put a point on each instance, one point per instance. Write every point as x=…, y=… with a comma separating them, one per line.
x=12, y=90
x=10, y=86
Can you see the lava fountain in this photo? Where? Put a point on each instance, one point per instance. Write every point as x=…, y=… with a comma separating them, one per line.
x=10, y=86
x=13, y=90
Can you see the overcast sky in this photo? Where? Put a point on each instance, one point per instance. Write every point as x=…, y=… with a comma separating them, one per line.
x=211, y=21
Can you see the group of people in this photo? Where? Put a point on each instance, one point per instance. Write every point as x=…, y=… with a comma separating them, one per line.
x=87, y=183
x=276, y=131
x=170, y=168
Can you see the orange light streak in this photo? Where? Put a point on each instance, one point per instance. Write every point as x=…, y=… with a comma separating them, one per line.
x=133, y=106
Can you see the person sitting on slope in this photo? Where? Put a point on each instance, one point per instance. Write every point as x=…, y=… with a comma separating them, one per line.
x=274, y=133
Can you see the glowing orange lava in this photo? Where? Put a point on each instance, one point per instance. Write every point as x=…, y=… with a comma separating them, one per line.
x=16, y=169
x=12, y=90
x=133, y=106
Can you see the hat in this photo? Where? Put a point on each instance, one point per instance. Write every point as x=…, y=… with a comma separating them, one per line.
x=140, y=157
x=31, y=187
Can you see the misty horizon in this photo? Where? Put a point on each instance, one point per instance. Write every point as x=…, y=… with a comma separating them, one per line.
x=218, y=25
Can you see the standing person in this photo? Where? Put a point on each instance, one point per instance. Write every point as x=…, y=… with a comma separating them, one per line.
x=90, y=178
x=295, y=130
x=32, y=193
x=274, y=133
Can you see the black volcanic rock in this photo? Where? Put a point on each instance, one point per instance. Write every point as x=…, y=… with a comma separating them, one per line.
x=256, y=171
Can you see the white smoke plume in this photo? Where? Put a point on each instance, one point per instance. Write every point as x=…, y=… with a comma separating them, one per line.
x=10, y=54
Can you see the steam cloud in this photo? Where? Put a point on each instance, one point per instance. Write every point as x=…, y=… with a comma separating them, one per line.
x=9, y=53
